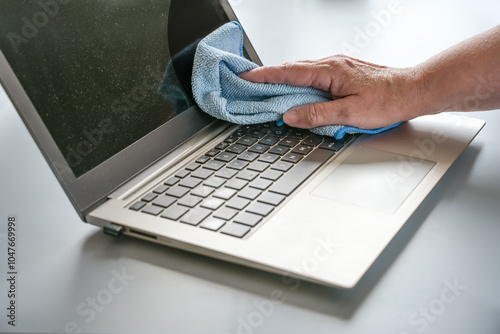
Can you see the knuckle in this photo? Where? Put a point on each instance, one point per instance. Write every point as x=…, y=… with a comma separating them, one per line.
x=288, y=66
x=342, y=63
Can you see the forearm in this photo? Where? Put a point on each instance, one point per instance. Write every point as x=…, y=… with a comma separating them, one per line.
x=465, y=77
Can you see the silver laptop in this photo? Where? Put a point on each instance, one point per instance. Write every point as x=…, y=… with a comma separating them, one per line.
x=145, y=162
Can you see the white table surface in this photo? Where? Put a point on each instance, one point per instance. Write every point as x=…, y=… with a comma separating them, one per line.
x=439, y=275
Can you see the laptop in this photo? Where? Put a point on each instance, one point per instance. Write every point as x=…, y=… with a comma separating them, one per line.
x=85, y=76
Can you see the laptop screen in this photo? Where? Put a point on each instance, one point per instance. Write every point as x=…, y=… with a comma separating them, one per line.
x=93, y=68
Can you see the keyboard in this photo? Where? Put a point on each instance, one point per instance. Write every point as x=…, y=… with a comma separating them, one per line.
x=233, y=187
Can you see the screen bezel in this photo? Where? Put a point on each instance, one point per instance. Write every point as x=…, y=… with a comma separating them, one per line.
x=92, y=188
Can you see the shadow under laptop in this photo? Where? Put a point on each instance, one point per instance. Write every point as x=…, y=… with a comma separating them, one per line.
x=327, y=300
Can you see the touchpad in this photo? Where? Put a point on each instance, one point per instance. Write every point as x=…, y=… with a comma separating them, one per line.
x=374, y=179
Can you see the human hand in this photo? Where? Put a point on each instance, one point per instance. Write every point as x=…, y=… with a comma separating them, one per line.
x=366, y=95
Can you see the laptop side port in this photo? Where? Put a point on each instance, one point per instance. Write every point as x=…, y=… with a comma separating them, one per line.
x=113, y=230
x=142, y=234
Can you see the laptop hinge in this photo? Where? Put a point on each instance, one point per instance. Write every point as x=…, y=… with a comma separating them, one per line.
x=178, y=155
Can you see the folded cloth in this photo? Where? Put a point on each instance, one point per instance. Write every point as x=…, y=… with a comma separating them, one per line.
x=220, y=92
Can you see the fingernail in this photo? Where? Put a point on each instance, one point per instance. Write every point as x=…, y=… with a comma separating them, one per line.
x=291, y=117
x=280, y=122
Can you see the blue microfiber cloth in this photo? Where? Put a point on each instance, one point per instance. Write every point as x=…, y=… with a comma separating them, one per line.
x=219, y=91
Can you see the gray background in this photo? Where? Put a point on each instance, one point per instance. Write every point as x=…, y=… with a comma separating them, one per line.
x=452, y=239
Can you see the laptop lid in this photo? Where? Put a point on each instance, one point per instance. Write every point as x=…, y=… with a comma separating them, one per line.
x=84, y=77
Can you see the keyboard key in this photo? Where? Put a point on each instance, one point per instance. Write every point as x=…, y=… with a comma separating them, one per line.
x=237, y=164
x=164, y=201
x=212, y=153
x=260, y=183
x=265, y=126
x=247, y=175
x=243, y=130
x=152, y=210
x=189, y=201
x=215, y=182
x=226, y=173
x=292, y=157
x=258, y=166
x=225, y=213
x=269, y=140
x=237, y=203
x=302, y=149
x=258, y=133
x=212, y=203
x=195, y=216
x=271, y=174
x=299, y=133
x=331, y=144
x=222, y=146
x=247, y=218
x=149, y=197
x=160, y=189
x=225, y=156
x=190, y=182
x=347, y=137
x=171, y=181
x=236, y=148
x=137, y=205
x=312, y=140
x=259, y=208
x=202, y=191
x=212, y=223
x=193, y=166
x=175, y=212
x=231, y=139
x=181, y=174
x=259, y=148
x=235, y=230
x=269, y=157
x=214, y=165
x=279, y=131
x=289, y=141
x=248, y=156
x=249, y=193
x=224, y=193
x=271, y=198
x=237, y=184
x=177, y=191
x=202, y=173
x=201, y=160
x=282, y=166
x=280, y=150
x=247, y=141
x=291, y=180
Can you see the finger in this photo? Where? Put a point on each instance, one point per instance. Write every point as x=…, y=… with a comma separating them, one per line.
x=295, y=74
x=318, y=114
x=265, y=74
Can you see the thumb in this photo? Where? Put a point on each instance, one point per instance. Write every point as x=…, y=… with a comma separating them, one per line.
x=317, y=114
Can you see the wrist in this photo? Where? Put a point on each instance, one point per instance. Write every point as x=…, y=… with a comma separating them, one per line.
x=423, y=93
